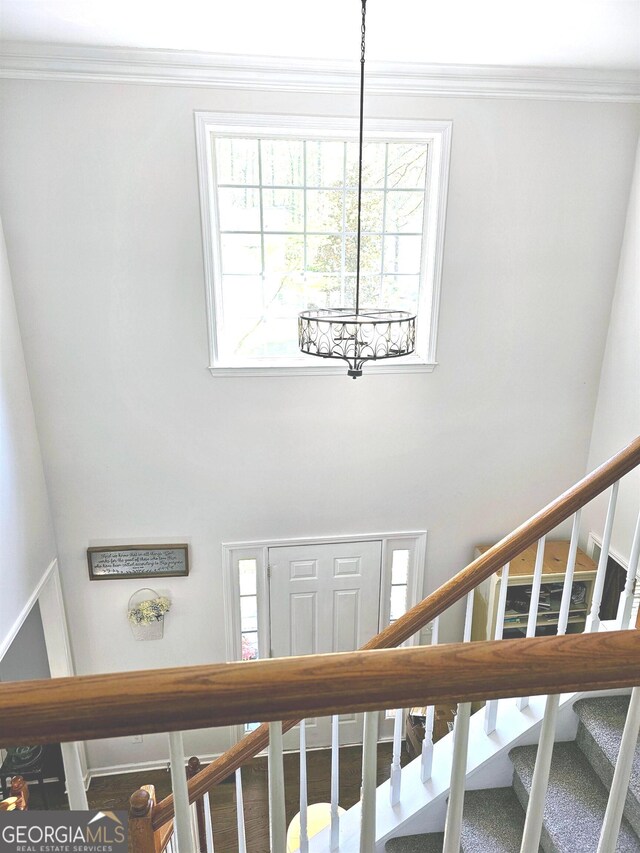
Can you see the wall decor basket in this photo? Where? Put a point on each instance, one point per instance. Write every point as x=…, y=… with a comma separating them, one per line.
x=148, y=631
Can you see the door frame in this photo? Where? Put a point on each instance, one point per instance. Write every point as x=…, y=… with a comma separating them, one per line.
x=413, y=540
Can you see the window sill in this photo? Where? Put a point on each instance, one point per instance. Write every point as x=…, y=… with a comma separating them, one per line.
x=223, y=371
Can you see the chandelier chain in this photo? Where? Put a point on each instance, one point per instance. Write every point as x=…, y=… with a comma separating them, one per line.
x=360, y=146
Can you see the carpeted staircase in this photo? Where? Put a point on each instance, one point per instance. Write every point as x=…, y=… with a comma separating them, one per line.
x=581, y=774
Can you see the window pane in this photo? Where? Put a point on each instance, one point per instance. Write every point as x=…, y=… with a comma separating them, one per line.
x=270, y=336
x=237, y=161
x=242, y=296
x=404, y=211
x=250, y=343
x=325, y=163
x=239, y=209
x=369, y=291
x=402, y=254
x=400, y=291
x=283, y=253
x=398, y=601
x=372, y=207
x=282, y=338
x=284, y=296
x=324, y=210
x=324, y=254
x=322, y=291
x=283, y=210
x=238, y=336
x=399, y=566
x=247, y=574
x=407, y=165
x=241, y=253
x=249, y=613
x=370, y=253
x=249, y=646
x=372, y=164
x=282, y=162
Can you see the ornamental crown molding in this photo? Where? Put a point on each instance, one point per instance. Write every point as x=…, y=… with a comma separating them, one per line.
x=32, y=61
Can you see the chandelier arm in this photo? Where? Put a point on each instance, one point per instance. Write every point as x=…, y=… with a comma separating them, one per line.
x=360, y=148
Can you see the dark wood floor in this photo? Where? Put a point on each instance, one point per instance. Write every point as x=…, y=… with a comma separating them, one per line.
x=113, y=792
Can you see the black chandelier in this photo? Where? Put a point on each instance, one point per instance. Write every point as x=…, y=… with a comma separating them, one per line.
x=357, y=334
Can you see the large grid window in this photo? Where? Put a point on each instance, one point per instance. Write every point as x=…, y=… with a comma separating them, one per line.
x=283, y=219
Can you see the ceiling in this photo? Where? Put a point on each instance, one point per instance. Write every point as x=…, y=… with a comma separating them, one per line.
x=599, y=34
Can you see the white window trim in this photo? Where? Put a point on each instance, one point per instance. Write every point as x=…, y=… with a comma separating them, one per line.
x=415, y=541
x=438, y=136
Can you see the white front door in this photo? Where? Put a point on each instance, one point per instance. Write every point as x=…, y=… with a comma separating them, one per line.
x=324, y=598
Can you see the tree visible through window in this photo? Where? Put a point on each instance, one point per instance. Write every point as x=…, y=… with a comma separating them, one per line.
x=288, y=217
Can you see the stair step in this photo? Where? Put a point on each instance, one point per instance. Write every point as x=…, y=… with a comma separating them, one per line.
x=492, y=820
x=575, y=804
x=431, y=843
x=599, y=735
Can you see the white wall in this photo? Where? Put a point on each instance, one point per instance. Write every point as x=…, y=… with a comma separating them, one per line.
x=27, y=655
x=27, y=544
x=99, y=189
x=617, y=416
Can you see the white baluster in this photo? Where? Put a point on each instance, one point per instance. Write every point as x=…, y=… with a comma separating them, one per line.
x=304, y=832
x=532, y=622
x=426, y=756
x=540, y=781
x=567, y=588
x=208, y=824
x=277, y=815
x=626, y=597
x=593, y=620
x=621, y=777
x=468, y=617
x=396, y=770
x=194, y=825
x=76, y=792
x=242, y=836
x=453, y=823
x=369, y=782
x=491, y=708
x=335, y=782
x=182, y=831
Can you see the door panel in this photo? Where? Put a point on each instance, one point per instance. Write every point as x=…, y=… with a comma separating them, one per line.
x=323, y=599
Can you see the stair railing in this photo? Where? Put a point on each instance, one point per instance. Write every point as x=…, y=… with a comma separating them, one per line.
x=86, y=707
x=179, y=705
x=430, y=608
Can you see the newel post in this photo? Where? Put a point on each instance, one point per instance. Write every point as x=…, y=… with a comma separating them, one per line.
x=20, y=790
x=18, y=799
x=140, y=829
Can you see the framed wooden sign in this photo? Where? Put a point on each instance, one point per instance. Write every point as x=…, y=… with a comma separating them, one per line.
x=138, y=561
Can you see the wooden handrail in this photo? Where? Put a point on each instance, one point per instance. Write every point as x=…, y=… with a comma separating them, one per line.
x=117, y=704
x=437, y=602
x=508, y=548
